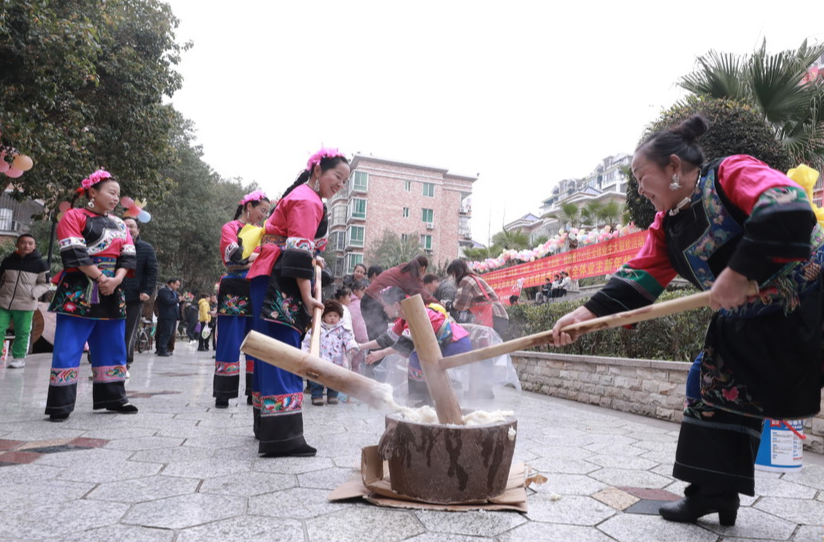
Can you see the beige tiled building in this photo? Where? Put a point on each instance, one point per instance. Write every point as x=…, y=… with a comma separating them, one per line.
x=408, y=199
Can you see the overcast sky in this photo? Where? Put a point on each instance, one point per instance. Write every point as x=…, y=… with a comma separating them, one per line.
x=522, y=93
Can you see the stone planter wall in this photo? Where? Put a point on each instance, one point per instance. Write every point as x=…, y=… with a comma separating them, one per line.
x=646, y=387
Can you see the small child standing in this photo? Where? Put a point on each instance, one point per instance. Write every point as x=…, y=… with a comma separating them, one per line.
x=335, y=342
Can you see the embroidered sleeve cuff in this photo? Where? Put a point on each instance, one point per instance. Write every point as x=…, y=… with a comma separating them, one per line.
x=73, y=252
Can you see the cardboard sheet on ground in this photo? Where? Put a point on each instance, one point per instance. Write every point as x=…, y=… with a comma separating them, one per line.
x=373, y=485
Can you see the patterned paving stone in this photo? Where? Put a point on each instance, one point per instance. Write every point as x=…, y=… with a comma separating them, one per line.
x=616, y=498
x=473, y=523
x=752, y=523
x=144, y=489
x=207, y=468
x=303, y=504
x=775, y=487
x=144, y=443
x=621, y=462
x=543, y=532
x=42, y=492
x=21, y=474
x=571, y=510
x=45, y=521
x=563, y=466
x=633, y=528
x=366, y=524
x=798, y=511
x=121, y=533
x=172, y=455
x=108, y=472
x=244, y=530
x=248, y=484
x=570, y=484
x=808, y=533
x=633, y=478
x=291, y=465
x=325, y=479
x=183, y=512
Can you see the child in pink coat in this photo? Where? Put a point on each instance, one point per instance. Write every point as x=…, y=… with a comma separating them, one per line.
x=336, y=340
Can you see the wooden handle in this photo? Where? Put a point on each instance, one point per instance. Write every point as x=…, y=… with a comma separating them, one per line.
x=305, y=365
x=317, y=313
x=694, y=301
x=429, y=354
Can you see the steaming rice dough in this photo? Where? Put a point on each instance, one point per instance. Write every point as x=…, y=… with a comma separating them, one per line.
x=427, y=414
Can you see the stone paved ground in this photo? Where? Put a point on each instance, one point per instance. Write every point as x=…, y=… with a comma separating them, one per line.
x=182, y=471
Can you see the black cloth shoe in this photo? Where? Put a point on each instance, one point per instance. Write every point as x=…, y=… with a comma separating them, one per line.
x=303, y=451
x=58, y=417
x=221, y=402
x=698, y=503
x=125, y=408
x=248, y=399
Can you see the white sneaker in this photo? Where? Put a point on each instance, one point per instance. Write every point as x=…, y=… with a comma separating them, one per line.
x=17, y=363
x=127, y=374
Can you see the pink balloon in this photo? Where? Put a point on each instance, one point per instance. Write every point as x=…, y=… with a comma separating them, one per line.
x=133, y=211
x=126, y=201
x=4, y=166
x=65, y=206
x=14, y=173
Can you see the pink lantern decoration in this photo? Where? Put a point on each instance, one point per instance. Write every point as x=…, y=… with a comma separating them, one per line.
x=14, y=173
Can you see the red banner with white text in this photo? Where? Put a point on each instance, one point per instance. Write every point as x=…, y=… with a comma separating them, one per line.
x=590, y=261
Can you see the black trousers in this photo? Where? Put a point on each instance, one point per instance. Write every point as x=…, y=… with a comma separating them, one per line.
x=134, y=313
x=165, y=331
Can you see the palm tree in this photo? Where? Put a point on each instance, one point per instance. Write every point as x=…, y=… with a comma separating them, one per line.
x=591, y=213
x=610, y=213
x=511, y=240
x=776, y=86
x=393, y=249
x=569, y=215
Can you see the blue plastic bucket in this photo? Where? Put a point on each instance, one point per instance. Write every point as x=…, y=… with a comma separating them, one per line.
x=780, y=449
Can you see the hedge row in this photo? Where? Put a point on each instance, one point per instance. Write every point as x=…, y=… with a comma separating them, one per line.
x=677, y=337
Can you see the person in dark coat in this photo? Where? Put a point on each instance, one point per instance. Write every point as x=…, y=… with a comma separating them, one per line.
x=167, y=315
x=138, y=289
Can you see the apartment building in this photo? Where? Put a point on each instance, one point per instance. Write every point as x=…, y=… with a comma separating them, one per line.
x=407, y=199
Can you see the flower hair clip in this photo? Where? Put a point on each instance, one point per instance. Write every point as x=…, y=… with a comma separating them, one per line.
x=257, y=195
x=94, y=178
x=324, y=152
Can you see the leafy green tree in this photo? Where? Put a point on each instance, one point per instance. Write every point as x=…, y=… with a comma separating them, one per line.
x=775, y=86
x=186, y=226
x=392, y=249
x=82, y=84
x=569, y=214
x=735, y=128
x=610, y=213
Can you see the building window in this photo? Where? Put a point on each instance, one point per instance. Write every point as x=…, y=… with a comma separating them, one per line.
x=356, y=236
x=360, y=181
x=406, y=212
x=429, y=190
x=426, y=242
x=357, y=208
x=428, y=215
x=352, y=260
x=404, y=237
x=407, y=185
x=337, y=241
x=339, y=215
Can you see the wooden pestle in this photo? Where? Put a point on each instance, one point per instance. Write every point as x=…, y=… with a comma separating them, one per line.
x=303, y=364
x=429, y=353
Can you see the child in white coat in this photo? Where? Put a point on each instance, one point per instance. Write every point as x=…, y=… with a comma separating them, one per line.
x=336, y=341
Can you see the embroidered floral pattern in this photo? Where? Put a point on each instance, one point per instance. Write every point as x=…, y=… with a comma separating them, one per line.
x=234, y=305
x=300, y=243
x=63, y=377
x=111, y=373
x=274, y=405
x=283, y=308
x=227, y=368
x=720, y=389
x=721, y=228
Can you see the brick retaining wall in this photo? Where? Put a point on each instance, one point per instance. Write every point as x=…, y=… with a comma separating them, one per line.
x=646, y=387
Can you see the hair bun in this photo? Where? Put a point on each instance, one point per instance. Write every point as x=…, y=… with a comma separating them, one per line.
x=693, y=128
